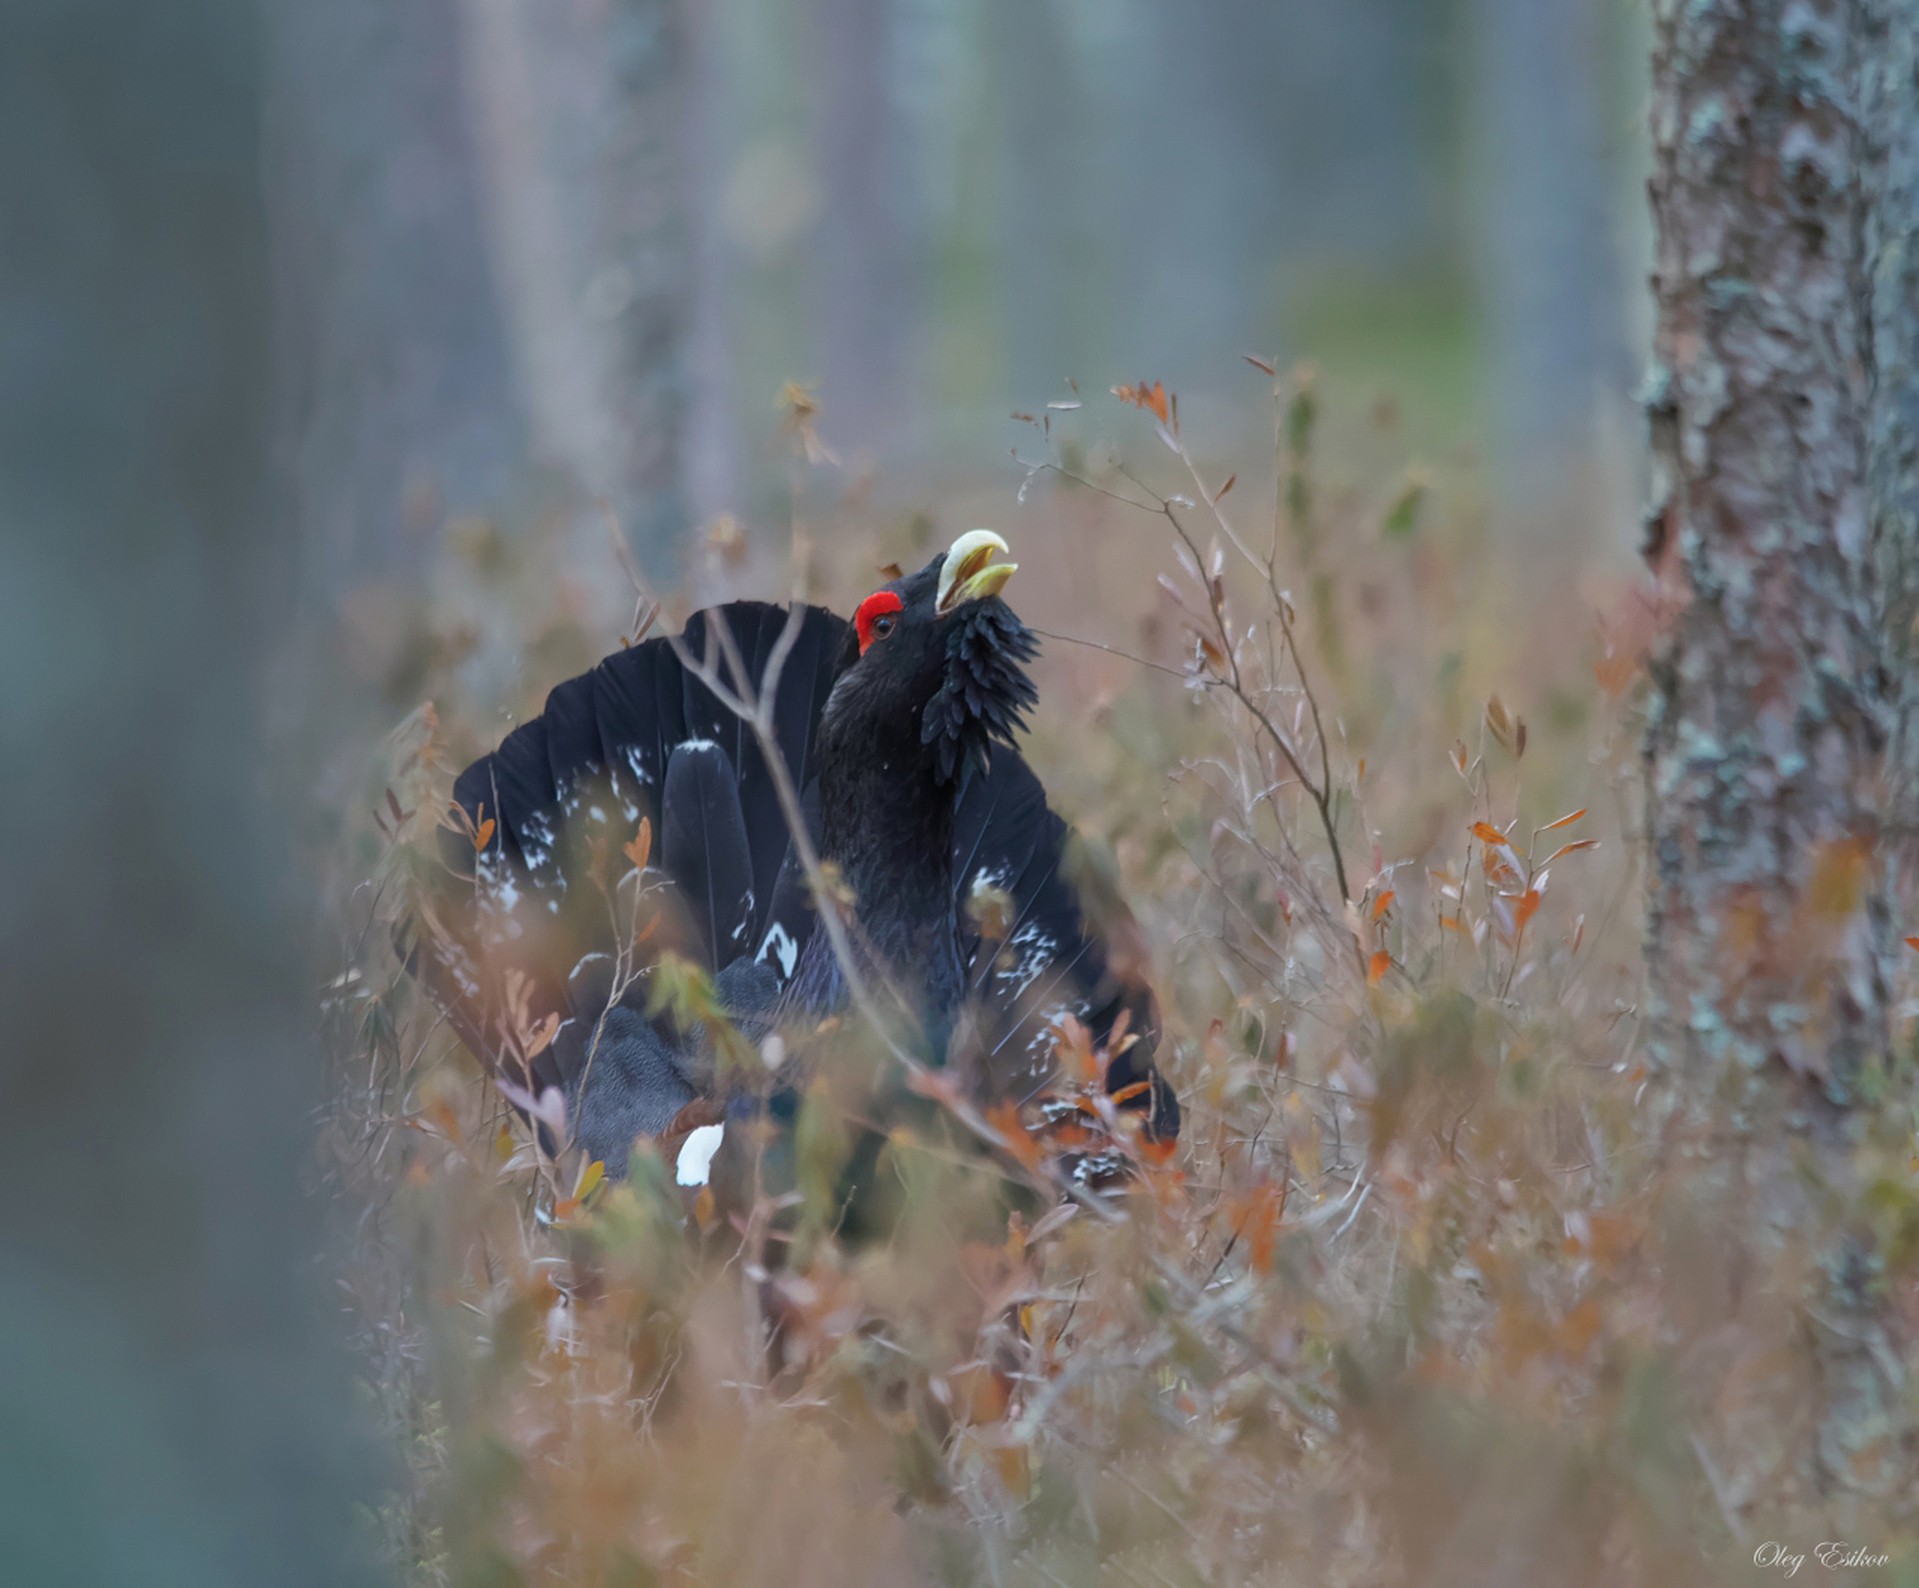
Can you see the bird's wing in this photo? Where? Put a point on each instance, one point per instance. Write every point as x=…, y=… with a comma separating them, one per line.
x=1064, y=948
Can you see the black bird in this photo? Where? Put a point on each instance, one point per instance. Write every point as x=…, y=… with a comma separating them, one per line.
x=898, y=730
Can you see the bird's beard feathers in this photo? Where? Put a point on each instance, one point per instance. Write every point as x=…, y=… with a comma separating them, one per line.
x=894, y=755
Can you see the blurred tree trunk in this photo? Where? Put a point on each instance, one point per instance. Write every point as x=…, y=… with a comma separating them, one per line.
x=715, y=466
x=481, y=267
x=863, y=284
x=395, y=398
x=584, y=136
x=1768, y=931
x=174, y=1411
x=1547, y=273
x=1049, y=300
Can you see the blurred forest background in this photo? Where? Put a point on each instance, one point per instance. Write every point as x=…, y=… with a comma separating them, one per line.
x=532, y=255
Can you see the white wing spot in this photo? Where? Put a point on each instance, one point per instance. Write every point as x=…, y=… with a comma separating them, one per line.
x=1032, y=951
x=779, y=943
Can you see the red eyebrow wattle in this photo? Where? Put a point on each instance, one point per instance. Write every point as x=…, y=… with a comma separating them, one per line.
x=877, y=605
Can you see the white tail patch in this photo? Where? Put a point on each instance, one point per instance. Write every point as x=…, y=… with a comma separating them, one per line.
x=696, y=1154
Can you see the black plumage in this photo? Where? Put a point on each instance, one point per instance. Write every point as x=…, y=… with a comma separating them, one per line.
x=898, y=730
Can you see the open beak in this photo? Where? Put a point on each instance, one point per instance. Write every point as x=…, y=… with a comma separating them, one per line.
x=969, y=572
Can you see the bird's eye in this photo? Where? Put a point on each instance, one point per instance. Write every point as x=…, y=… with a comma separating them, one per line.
x=876, y=617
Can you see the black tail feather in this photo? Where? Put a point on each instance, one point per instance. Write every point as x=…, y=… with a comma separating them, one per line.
x=573, y=753
x=705, y=851
x=819, y=651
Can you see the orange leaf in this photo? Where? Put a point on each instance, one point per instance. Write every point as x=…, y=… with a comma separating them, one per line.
x=1381, y=904
x=1571, y=849
x=1579, y=1328
x=483, y=834
x=1258, y=1225
x=939, y=1085
x=1377, y=967
x=1152, y=398
x=1452, y=923
x=1156, y=1150
x=1017, y=1140
x=536, y=1041
x=1912, y=942
x=1015, y=1475
x=1497, y=871
x=1528, y=907
x=640, y=848
x=1566, y=821
x=1486, y=833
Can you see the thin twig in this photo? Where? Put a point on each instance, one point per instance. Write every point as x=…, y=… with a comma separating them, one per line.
x=1113, y=650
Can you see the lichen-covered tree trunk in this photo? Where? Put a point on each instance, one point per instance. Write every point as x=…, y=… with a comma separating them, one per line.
x=1768, y=723
x=1890, y=108
x=1782, y=452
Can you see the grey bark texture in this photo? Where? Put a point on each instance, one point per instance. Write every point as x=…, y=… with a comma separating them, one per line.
x=1768, y=718
x=1890, y=167
x=1781, y=405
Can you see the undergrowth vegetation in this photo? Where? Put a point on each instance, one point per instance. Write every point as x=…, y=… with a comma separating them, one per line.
x=1425, y=1293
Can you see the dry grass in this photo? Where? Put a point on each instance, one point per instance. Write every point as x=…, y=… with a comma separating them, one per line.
x=1431, y=1291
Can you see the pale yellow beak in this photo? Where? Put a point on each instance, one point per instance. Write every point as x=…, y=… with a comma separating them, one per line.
x=969, y=572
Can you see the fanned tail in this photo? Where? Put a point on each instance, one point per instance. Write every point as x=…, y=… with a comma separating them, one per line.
x=538, y=916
